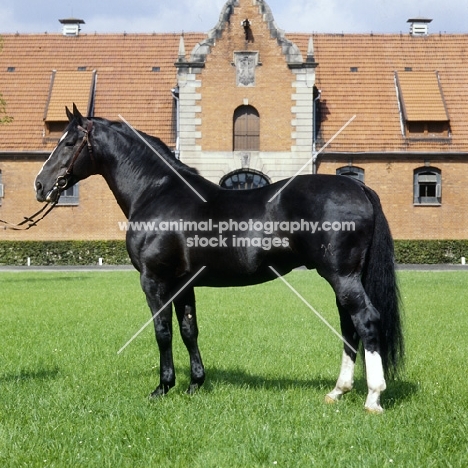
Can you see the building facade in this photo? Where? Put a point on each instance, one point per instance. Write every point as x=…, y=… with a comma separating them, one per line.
x=248, y=104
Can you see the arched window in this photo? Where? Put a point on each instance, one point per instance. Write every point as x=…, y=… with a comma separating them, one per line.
x=246, y=129
x=243, y=179
x=351, y=171
x=427, y=186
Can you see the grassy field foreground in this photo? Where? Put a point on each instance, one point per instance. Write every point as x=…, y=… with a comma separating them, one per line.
x=68, y=400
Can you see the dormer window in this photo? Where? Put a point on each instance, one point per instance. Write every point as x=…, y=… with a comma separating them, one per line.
x=66, y=88
x=435, y=129
x=423, y=110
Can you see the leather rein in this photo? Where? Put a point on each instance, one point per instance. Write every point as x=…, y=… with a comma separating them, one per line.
x=61, y=183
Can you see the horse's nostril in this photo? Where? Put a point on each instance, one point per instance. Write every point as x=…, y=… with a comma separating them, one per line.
x=38, y=185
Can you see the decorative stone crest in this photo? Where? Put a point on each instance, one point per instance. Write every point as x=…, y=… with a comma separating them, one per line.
x=245, y=63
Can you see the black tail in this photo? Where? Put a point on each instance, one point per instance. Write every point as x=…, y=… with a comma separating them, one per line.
x=381, y=286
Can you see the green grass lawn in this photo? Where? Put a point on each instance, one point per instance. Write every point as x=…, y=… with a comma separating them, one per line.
x=67, y=399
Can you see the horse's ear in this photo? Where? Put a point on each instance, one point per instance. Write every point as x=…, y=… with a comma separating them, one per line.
x=69, y=114
x=77, y=114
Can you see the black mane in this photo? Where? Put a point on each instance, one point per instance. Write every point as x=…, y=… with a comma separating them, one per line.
x=154, y=142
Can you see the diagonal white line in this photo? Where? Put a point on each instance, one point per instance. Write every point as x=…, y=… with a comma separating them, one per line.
x=161, y=309
x=311, y=308
x=160, y=157
x=312, y=158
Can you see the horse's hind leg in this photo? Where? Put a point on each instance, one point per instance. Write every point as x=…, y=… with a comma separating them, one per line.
x=186, y=315
x=353, y=300
x=351, y=341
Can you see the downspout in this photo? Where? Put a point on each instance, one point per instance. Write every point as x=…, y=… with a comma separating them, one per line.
x=175, y=95
x=314, y=136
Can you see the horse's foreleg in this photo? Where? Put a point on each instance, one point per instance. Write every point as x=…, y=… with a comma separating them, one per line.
x=163, y=330
x=351, y=340
x=186, y=315
x=156, y=298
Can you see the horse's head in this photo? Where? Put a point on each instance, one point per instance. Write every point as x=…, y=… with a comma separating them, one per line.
x=72, y=159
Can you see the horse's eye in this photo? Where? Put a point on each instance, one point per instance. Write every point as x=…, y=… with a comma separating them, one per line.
x=69, y=143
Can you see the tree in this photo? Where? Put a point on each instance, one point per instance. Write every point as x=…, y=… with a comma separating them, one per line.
x=4, y=118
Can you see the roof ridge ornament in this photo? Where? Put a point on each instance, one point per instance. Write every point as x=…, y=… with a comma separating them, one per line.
x=419, y=26
x=71, y=26
x=181, y=55
x=290, y=50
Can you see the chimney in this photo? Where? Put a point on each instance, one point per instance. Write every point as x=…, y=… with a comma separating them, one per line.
x=419, y=26
x=71, y=26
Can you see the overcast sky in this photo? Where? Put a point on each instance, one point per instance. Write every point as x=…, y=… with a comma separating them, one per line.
x=147, y=16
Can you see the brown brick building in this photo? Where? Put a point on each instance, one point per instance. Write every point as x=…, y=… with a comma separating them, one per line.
x=248, y=104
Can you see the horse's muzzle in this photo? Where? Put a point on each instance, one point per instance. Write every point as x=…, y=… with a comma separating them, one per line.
x=51, y=197
x=40, y=197
x=54, y=193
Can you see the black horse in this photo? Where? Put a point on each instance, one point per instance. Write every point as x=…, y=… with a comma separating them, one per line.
x=184, y=231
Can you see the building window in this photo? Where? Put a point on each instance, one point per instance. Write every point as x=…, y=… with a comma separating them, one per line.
x=54, y=130
x=70, y=196
x=244, y=179
x=427, y=129
x=246, y=129
x=351, y=171
x=427, y=186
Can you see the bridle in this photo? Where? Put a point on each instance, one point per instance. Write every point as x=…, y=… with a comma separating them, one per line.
x=61, y=183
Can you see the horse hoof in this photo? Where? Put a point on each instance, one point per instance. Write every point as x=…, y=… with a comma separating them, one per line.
x=330, y=400
x=374, y=410
x=193, y=388
x=158, y=393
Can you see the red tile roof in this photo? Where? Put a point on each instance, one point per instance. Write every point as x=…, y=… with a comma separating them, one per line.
x=126, y=84
x=370, y=92
x=356, y=74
